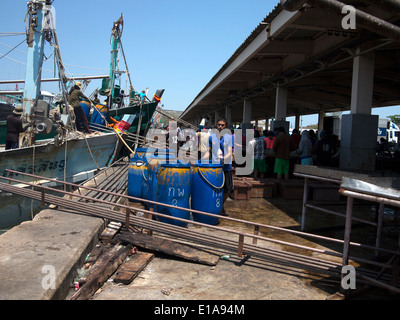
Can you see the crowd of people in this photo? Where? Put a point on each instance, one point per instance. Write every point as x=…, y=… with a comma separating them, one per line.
x=281, y=150
x=273, y=152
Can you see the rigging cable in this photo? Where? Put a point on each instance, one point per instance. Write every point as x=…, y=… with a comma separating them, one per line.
x=12, y=49
x=11, y=34
x=65, y=162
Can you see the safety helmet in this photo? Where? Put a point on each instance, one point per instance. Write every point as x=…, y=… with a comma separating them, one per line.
x=79, y=84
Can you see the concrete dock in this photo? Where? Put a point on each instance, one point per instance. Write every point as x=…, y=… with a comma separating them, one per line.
x=39, y=258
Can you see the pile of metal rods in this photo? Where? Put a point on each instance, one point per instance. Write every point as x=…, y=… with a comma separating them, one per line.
x=247, y=249
x=256, y=226
x=287, y=258
x=116, y=180
x=249, y=223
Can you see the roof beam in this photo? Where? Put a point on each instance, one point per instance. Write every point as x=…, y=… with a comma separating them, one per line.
x=268, y=66
x=271, y=30
x=280, y=47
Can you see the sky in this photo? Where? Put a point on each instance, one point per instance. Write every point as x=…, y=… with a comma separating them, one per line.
x=176, y=45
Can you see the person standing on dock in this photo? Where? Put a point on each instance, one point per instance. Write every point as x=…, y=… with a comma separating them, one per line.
x=14, y=128
x=220, y=147
x=202, y=138
x=282, y=146
x=74, y=99
x=257, y=148
x=305, y=149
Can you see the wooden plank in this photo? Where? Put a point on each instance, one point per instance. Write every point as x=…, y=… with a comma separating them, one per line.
x=169, y=247
x=109, y=233
x=102, y=270
x=95, y=254
x=130, y=269
x=240, y=245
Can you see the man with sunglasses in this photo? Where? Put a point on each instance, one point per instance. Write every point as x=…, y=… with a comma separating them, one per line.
x=220, y=148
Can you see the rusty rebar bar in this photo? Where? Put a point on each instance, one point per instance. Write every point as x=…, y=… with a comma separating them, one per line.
x=321, y=251
x=172, y=230
x=250, y=223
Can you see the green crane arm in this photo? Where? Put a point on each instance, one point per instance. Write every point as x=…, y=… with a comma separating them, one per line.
x=116, y=34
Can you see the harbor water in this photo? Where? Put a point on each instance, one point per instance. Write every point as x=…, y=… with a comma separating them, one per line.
x=15, y=209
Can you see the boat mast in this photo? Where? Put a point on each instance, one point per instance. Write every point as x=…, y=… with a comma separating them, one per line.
x=60, y=65
x=37, y=23
x=116, y=33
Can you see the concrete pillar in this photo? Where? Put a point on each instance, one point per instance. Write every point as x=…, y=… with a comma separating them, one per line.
x=228, y=115
x=211, y=122
x=246, y=123
x=359, y=129
x=363, y=83
x=297, y=122
x=281, y=109
x=321, y=121
x=269, y=123
x=358, y=141
x=281, y=103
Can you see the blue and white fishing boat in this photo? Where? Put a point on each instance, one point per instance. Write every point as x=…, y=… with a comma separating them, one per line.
x=71, y=155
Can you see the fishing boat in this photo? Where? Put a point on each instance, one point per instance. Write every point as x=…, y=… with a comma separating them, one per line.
x=139, y=108
x=71, y=155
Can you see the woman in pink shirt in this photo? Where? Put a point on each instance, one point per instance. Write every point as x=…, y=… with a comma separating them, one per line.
x=269, y=140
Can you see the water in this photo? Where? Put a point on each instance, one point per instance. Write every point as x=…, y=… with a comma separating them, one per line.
x=15, y=209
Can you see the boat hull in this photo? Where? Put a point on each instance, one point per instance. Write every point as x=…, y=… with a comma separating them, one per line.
x=51, y=161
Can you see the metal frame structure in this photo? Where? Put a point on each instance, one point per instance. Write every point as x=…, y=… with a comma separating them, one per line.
x=351, y=195
x=348, y=216
x=307, y=204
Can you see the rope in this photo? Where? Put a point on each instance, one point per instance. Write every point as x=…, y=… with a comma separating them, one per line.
x=177, y=120
x=90, y=151
x=12, y=49
x=65, y=163
x=20, y=62
x=12, y=33
x=208, y=182
x=118, y=135
x=126, y=65
x=33, y=170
